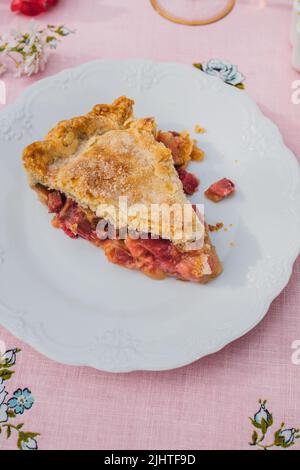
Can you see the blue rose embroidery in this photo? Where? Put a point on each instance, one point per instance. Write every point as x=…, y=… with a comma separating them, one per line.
x=226, y=71
x=9, y=357
x=262, y=421
x=21, y=400
x=28, y=443
x=263, y=418
x=3, y=405
x=286, y=437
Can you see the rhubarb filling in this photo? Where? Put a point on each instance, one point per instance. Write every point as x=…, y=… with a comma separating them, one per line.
x=183, y=149
x=157, y=258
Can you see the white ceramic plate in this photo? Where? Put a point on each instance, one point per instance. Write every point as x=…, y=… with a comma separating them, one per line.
x=64, y=298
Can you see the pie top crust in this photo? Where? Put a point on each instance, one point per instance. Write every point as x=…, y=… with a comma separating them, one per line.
x=105, y=154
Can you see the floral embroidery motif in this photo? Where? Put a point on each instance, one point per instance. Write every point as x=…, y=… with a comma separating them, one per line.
x=263, y=420
x=228, y=72
x=29, y=49
x=21, y=401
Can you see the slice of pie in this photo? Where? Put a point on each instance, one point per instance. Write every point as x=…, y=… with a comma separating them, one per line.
x=86, y=165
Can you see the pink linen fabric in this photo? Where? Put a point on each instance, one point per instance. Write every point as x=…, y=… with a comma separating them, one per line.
x=205, y=405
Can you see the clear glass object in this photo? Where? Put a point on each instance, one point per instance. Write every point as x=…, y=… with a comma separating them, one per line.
x=193, y=12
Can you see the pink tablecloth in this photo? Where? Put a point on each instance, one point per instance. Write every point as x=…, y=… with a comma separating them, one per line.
x=205, y=405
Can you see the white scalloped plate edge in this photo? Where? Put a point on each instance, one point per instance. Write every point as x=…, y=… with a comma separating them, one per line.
x=281, y=282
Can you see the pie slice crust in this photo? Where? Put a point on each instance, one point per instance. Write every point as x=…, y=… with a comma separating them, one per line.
x=83, y=167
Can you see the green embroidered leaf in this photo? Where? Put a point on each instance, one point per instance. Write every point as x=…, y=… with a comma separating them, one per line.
x=264, y=426
x=8, y=432
x=258, y=426
x=6, y=366
x=241, y=86
x=11, y=414
x=198, y=66
x=285, y=446
x=27, y=435
x=24, y=436
x=270, y=420
x=6, y=374
x=19, y=443
x=278, y=440
x=254, y=438
x=33, y=434
x=19, y=426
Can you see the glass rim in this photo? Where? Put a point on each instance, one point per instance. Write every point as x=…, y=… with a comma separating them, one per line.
x=175, y=19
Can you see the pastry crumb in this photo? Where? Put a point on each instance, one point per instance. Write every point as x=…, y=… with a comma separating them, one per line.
x=199, y=130
x=197, y=154
x=216, y=227
x=232, y=244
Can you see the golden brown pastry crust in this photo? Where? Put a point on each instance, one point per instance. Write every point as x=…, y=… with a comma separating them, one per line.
x=105, y=154
x=65, y=139
x=98, y=157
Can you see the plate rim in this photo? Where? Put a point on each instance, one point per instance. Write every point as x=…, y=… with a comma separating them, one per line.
x=284, y=279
